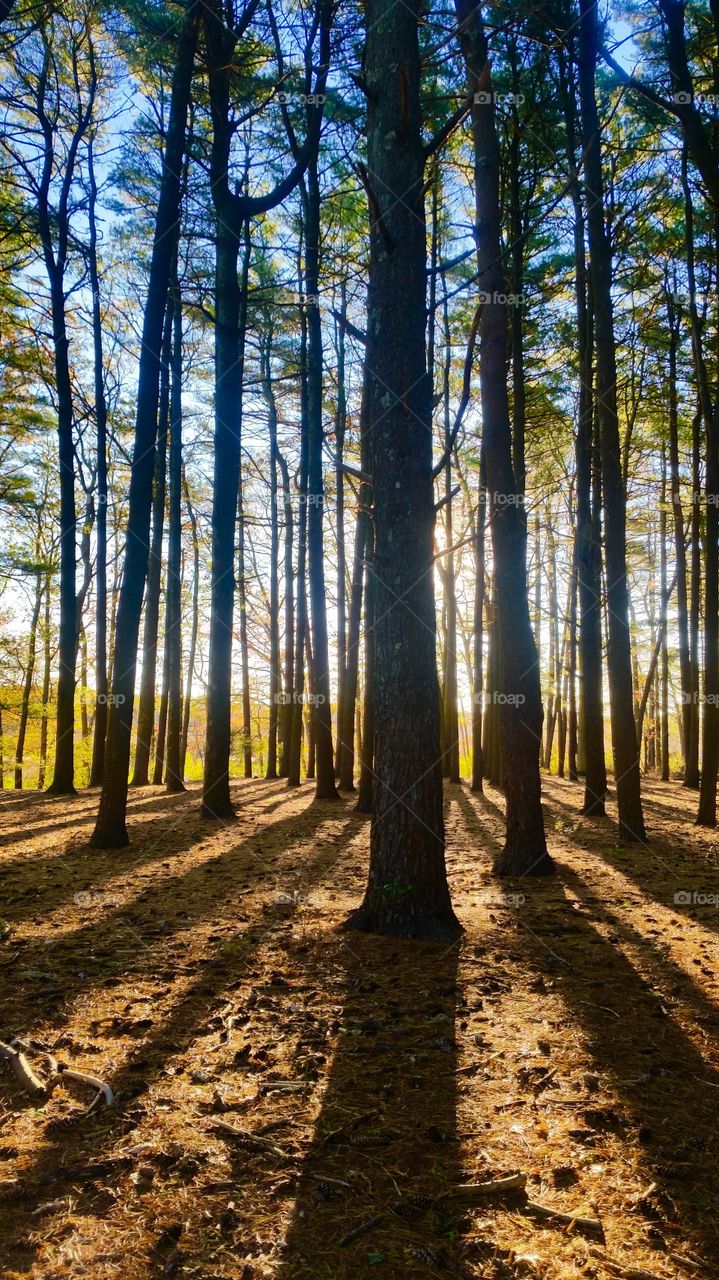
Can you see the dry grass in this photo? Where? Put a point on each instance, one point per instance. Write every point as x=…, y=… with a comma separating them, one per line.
x=571, y=1035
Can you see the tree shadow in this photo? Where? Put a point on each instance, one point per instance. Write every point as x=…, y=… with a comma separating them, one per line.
x=224, y=972
x=662, y=1090
x=385, y=1141
x=128, y=938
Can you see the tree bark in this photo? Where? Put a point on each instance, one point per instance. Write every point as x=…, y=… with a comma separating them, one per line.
x=407, y=893
x=110, y=830
x=520, y=710
x=624, y=740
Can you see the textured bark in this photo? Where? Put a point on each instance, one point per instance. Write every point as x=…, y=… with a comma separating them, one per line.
x=28, y=681
x=110, y=830
x=322, y=701
x=624, y=741
x=285, y=724
x=407, y=893
x=274, y=621
x=46, y=678
x=101, y=674
x=151, y=631
x=173, y=629
x=195, y=624
x=680, y=555
x=478, y=633
x=520, y=711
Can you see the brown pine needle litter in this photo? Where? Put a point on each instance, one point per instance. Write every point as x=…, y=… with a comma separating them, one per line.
x=285, y=1100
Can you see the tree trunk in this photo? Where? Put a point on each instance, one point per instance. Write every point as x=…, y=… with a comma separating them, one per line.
x=520, y=710
x=624, y=741
x=28, y=681
x=110, y=830
x=173, y=630
x=478, y=633
x=325, y=788
x=195, y=625
x=46, y=676
x=286, y=718
x=148, y=678
x=274, y=620
x=101, y=680
x=407, y=893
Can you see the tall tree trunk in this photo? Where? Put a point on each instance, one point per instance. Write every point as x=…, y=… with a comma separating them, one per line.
x=110, y=830
x=478, y=632
x=244, y=634
x=28, y=681
x=46, y=677
x=101, y=680
x=229, y=372
x=520, y=711
x=624, y=741
x=691, y=779
x=298, y=679
x=148, y=678
x=349, y=699
x=365, y=792
x=274, y=620
x=450, y=718
x=407, y=892
x=286, y=718
x=173, y=630
x=342, y=621
x=325, y=788
x=195, y=625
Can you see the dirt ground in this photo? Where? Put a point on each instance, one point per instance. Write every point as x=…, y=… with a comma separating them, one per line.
x=572, y=1036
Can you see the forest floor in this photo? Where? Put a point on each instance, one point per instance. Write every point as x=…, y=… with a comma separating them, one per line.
x=572, y=1035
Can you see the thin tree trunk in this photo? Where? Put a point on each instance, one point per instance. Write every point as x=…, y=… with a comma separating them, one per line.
x=325, y=788
x=285, y=725
x=28, y=681
x=148, y=679
x=101, y=680
x=624, y=740
x=110, y=830
x=46, y=677
x=173, y=629
x=274, y=620
x=478, y=633
x=195, y=625
x=520, y=712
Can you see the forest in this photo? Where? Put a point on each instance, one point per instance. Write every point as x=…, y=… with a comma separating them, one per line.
x=359, y=639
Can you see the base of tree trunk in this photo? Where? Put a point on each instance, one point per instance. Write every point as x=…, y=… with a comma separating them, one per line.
x=327, y=792
x=521, y=860
x=347, y=786
x=175, y=787
x=221, y=808
x=139, y=782
x=364, y=804
x=271, y=775
x=61, y=789
x=433, y=927
x=593, y=807
x=109, y=837
x=632, y=833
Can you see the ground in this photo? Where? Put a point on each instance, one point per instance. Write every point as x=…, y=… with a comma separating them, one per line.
x=572, y=1035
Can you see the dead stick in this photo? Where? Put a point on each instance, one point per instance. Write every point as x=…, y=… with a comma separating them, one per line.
x=361, y=1229
x=23, y=1071
x=571, y=1219
x=478, y=1190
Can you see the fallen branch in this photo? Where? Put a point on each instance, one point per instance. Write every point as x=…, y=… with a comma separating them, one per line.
x=94, y=1082
x=479, y=1190
x=250, y=1139
x=591, y=1225
x=361, y=1229
x=23, y=1072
